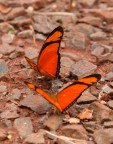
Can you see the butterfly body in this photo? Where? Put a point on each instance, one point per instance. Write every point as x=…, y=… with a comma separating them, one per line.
x=48, y=62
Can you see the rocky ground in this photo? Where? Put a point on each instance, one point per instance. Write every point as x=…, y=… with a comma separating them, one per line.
x=87, y=47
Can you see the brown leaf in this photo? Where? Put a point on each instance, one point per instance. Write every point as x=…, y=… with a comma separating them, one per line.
x=4, y=9
x=85, y=114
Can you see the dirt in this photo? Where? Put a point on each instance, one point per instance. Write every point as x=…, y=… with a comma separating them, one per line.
x=87, y=48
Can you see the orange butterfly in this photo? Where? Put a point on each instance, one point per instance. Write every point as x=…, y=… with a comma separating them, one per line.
x=68, y=95
x=48, y=62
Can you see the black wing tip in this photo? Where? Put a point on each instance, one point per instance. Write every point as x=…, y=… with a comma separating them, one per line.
x=98, y=76
x=59, y=28
x=26, y=82
x=27, y=58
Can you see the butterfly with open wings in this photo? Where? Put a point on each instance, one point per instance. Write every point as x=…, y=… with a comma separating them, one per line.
x=68, y=95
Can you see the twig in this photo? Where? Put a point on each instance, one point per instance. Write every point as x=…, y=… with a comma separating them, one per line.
x=13, y=101
x=55, y=13
x=68, y=139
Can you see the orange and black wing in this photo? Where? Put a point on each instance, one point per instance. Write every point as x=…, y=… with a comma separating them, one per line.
x=45, y=95
x=32, y=64
x=48, y=62
x=49, y=56
x=67, y=96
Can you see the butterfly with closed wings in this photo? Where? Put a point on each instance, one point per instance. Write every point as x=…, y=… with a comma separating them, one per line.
x=48, y=63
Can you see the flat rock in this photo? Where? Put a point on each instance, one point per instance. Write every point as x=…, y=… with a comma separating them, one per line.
x=36, y=102
x=98, y=50
x=85, y=28
x=75, y=131
x=13, y=55
x=8, y=38
x=3, y=67
x=25, y=34
x=111, y=57
x=53, y=122
x=3, y=87
x=67, y=18
x=104, y=14
x=15, y=12
x=56, y=84
x=11, y=106
x=92, y=125
x=106, y=88
x=7, y=123
x=24, y=63
x=98, y=36
x=66, y=63
x=104, y=57
x=9, y=112
x=15, y=94
x=108, y=3
x=80, y=40
x=40, y=37
x=91, y=20
x=83, y=68
x=5, y=27
x=1, y=17
x=36, y=4
x=22, y=21
x=109, y=76
x=103, y=136
x=42, y=119
x=90, y=142
x=94, y=91
x=31, y=52
x=24, y=126
x=3, y=134
x=35, y=138
x=42, y=25
x=108, y=124
x=1, y=55
x=88, y=3
x=86, y=97
x=101, y=51
x=107, y=48
x=101, y=112
x=19, y=49
x=64, y=72
x=6, y=48
x=110, y=104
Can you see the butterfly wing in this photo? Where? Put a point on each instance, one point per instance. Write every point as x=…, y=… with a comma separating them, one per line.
x=33, y=65
x=49, y=57
x=48, y=62
x=44, y=94
x=67, y=96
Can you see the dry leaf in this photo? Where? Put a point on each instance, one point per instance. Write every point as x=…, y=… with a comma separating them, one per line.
x=74, y=120
x=4, y=9
x=85, y=114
